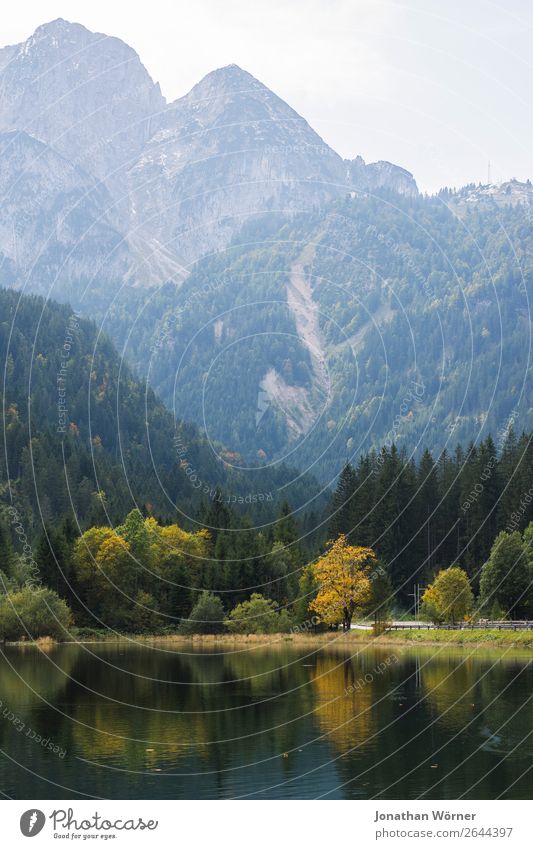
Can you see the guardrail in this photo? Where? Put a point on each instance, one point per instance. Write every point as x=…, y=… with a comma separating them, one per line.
x=523, y=625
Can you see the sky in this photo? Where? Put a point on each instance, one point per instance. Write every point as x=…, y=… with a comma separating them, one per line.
x=441, y=88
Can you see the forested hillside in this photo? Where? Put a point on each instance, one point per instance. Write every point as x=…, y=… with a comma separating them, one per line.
x=84, y=438
x=390, y=319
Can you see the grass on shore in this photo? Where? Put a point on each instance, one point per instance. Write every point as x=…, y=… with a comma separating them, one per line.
x=414, y=636
x=408, y=637
x=477, y=636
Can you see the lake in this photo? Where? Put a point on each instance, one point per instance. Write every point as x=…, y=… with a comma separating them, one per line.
x=125, y=720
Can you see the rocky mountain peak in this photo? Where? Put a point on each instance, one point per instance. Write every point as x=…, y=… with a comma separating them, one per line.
x=233, y=95
x=85, y=94
x=60, y=29
x=377, y=175
x=182, y=178
x=231, y=79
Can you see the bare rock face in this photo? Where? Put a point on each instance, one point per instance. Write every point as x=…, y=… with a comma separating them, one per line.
x=85, y=94
x=227, y=151
x=181, y=178
x=380, y=175
x=53, y=227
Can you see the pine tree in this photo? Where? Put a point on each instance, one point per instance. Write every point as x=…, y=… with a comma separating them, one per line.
x=7, y=552
x=52, y=555
x=342, y=512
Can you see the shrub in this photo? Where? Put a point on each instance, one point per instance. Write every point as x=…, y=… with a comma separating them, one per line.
x=206, y=617
x=258, y=615
x=144, y=618
x=32, y=613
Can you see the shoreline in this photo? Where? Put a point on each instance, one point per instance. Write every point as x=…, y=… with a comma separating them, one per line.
x=521, y=640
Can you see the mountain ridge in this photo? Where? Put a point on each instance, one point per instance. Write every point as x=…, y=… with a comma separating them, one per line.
x=182, y=176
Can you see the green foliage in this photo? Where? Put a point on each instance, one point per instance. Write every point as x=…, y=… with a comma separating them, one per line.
x=52, y=555
x=449, y=598
x=258, y=615
x=207, y=616
x=144, y=617
x=506, y=576
x=307, y=590
x=116, y=441
x=138, y=576
x=381, y=595
x=412, y=513
x=30, y=613
x=7, y=553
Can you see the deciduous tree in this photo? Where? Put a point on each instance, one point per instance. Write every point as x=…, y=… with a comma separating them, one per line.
x=449, y=598
x=344, y=583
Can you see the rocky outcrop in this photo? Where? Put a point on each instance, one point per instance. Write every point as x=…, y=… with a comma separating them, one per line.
x=380, y=175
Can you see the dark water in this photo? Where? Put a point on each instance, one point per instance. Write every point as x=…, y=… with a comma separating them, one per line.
x=140, y=722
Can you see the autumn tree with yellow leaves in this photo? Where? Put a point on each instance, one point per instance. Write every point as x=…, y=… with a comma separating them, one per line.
x=140, y=575
x=343, y=576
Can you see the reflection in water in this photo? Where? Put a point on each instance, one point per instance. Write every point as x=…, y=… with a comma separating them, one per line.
x=343, y=703
x=140, y=721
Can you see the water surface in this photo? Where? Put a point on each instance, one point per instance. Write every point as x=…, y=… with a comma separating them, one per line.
x=133, y=721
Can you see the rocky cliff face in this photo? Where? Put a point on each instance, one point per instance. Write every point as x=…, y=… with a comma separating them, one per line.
x=227, y=151
x=85, y=94
x=380, y=175
x=54, y=233
x=181, y=178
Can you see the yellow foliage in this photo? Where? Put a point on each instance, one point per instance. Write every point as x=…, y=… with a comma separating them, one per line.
x=343, y=577
x=113, y=556
x=344, y=713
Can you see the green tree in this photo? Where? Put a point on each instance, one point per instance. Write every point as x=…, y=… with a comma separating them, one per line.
x=307, y=590
x=7, y=552
x=381, y=594
x=342, y=518
x=52, y=555
x=505, y=577
x=257, y=615
x=207, y=616
x=144, y=617
x=449, y=598
x=282, y=576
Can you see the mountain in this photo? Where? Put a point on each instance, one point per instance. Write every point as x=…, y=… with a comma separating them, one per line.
x=292, y=304
x=85, y=94
x=383, y=319
x=228, y=150
x=53, y=226
x=183, y=177
x=83, y=436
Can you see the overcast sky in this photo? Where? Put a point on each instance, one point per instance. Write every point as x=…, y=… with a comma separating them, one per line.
x=438, y=87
